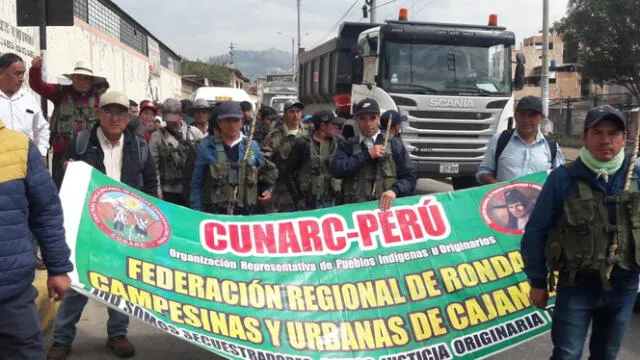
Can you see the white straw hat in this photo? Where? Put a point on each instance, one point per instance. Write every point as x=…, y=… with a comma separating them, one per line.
x=83, y=68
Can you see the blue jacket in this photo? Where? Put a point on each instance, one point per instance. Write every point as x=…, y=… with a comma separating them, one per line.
x=29, y=203
x=559, y=187
x=344, y=164
x=207, y=156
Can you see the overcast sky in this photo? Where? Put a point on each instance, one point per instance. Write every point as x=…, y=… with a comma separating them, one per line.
x=201, y=28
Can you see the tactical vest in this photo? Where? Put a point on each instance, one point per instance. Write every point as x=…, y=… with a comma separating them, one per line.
x=68, y=116
x=313, y=179
x=285, y=143
x=382, y=173
x=172, y=159
x=583, y=240
x=232, y=184
x=280, y=155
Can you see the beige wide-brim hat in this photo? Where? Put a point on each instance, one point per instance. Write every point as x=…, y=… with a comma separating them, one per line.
x=83, y=68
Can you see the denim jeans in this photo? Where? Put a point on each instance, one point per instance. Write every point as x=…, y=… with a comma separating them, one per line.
x=586, y=302
x=70, y=312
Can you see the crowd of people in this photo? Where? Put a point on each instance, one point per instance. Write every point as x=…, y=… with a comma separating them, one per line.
x=212, y=157
x=221, y=158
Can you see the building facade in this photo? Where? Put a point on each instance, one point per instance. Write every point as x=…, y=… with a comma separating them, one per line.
x=115, y=45
x=564, y=79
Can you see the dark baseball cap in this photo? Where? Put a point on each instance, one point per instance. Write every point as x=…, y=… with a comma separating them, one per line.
x=246, y=106
x=229, y=110
x=396, y=118
x=289, y=104
x=367, y=105
x=530, y=102
x=324, y=116
x=604, y=112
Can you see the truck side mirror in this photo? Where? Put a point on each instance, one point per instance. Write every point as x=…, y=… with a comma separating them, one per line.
x=357, y=69
x=518, y=80
x=373, y=44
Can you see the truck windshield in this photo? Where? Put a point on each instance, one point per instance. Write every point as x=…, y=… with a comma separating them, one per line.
x=445, y=69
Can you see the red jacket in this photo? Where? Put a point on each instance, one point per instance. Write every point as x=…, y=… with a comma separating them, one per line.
x=53, y=93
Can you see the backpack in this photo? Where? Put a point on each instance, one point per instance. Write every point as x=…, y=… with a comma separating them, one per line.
x=504, y=138
x=171, y=162
x=82, y=144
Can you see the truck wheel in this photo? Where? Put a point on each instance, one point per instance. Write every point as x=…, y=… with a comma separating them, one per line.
x=463, y=182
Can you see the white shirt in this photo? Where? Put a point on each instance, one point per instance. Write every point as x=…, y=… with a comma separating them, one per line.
x=238, y=140
x=22, y=113
x=112, y=155
x=292, y=131
x=204, y=133
x=369, y=141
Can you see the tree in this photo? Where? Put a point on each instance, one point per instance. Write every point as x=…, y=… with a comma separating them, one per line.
x=205, y=70
x=607, y=34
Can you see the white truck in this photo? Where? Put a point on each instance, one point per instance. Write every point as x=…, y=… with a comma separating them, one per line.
x=215, y=95
x=453, y=81
x=278, y=102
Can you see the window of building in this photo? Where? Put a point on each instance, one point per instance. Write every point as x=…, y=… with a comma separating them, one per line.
x=170, y=62
x=132, y=37
x=81, y=10
x=103, y=18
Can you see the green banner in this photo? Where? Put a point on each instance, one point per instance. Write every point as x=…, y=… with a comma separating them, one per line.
x=436, y=277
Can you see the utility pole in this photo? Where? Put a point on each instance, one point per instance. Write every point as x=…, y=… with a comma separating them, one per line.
x=547, y=126
x=43, y=48
x=231, y=52
x=295, y=70
x=372, y=11
x=293, y=61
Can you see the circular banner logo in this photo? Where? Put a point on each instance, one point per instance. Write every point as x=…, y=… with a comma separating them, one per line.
x=128, y=218
x=507, y=208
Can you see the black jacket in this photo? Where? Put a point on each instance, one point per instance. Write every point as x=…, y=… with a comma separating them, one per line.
x=142, y=177
x=344, y=164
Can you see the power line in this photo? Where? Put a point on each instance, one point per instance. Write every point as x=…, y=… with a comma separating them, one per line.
x=347, y=13
x=381, y=5
x=378, y=6
x=390, y=13
x=424, y=7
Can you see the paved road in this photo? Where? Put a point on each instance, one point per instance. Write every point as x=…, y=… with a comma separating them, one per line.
x=152, y=344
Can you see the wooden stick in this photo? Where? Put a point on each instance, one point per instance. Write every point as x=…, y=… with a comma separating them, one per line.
x=247, y=150
x=386, y=142
x=634, y=157
x=627, y=182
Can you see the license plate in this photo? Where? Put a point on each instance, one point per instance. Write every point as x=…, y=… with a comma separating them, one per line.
x=449, y=168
